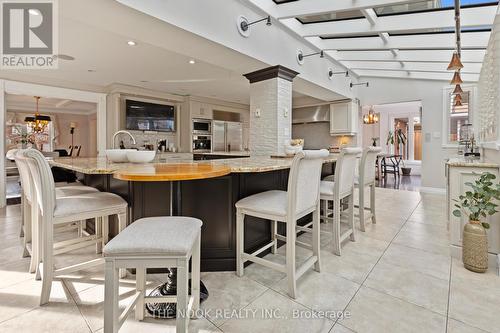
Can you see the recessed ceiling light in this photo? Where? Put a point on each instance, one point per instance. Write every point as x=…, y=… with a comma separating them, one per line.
x=192, y=61
x=34, y=12
x=131, y=43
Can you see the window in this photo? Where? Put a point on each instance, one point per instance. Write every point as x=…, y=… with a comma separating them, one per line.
x=457, y=115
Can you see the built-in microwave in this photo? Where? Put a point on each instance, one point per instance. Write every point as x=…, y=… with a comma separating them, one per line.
x=202, y=143
x=202, y=126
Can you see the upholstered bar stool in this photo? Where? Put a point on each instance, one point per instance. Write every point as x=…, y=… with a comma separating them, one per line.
x=30, y=209
x=342, y=187
x=53, y=211
x=154, y=242
x=300, y=199
x=365, y=179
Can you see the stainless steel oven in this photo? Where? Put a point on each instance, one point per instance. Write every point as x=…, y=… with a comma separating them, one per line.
x=202, y=126
x=202, y=143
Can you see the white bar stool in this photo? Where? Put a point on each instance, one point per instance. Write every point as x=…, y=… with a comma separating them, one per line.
x=30, y=208
x=54, y=211
x=301, y=198
x=154, y=242
x=365, y=179
x=342, y=187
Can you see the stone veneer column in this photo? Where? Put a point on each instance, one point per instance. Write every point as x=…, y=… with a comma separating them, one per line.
x=270, y=109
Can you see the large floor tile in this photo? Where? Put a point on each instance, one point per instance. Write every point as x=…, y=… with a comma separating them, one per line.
x=273, y=312
x=228, y=292
x=53, y=317
x=433, y=264
x=427, y=237
x=338, y=328
x=455, y=326
x=410, y=285
x=152, y=325
x=373, y=311
x=475, y=299
x=321, y=291
x=350, y=265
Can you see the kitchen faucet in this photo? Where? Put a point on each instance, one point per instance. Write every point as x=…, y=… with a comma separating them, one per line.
x=122, y=132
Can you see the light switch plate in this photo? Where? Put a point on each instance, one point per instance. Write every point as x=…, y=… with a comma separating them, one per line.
x=257, y=113
x=285, y=112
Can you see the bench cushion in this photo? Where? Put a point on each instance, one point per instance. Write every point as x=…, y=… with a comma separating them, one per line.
x=164, y=235
x=326, y=187
x=87, y=202
x=270, y=202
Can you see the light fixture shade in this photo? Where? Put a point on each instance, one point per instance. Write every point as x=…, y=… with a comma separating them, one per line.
x=455, y=63
x=458, y=90
x=456, y=79
x=458, y=97
x=458, y=103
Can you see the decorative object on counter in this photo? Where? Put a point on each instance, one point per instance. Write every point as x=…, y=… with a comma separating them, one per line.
x=374, y=141
x=140, y=156
x=370, y=118
x=293, y=146
x=39, y=122
x=477, y=205
x=117, y=155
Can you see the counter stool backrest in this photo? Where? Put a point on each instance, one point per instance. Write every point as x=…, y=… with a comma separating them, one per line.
x=304, y=180
x=367, y=165
x=43, y=180
x=345, y=168
x=24, y=173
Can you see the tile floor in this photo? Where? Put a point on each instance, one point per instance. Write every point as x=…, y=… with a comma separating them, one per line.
x=397, y=277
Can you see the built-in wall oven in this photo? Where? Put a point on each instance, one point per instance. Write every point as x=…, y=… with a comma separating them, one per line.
x=202, y=127
x=202, y=143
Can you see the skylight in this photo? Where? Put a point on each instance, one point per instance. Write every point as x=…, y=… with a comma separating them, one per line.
x=424, y=6
x=338, y=16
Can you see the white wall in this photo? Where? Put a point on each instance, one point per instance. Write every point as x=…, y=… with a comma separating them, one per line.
x=430, y=93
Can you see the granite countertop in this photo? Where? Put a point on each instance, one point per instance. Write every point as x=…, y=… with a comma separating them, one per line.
x=462, y=162
x=100, y=165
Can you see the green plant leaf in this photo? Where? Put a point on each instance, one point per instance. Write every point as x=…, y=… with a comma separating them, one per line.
x=485, y=225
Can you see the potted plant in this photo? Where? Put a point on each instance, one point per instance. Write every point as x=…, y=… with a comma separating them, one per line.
x=404, y=169
x=477, y=205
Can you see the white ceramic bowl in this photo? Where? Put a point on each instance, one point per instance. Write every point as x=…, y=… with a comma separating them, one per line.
x=117, y=155
x=141, y=156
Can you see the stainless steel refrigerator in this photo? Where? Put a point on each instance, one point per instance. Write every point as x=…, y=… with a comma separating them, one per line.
x=227, y=136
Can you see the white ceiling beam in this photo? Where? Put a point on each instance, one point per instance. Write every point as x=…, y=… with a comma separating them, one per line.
x=62, y=103
x=370, y=15
x=468, y=56
x=445, y=19
x=474, y=68
x=469, y=40
x=308, y=7
x=415, y=75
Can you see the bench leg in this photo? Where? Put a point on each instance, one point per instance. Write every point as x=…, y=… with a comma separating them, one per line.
x=182, y=316
x=111, y=310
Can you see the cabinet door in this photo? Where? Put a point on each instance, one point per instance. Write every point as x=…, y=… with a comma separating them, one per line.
x=201, y=110
x=340, y=118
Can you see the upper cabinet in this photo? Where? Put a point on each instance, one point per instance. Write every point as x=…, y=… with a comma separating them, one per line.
x=344, y=118
x=201, y=110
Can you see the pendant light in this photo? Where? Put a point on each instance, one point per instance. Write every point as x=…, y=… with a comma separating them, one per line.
x=455, y=63
x=457, y=103
x=458, y=90
x=39, y=122
x=456, y=79
x=458, y=97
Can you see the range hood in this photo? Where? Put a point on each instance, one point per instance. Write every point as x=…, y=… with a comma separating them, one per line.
x=311, y=114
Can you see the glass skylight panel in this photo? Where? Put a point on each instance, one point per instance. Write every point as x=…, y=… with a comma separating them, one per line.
x=430, y=5
x=337, y=16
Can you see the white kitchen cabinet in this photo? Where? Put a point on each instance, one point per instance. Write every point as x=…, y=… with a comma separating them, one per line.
x=344, y=118
x=458, y=173
x=201, y=110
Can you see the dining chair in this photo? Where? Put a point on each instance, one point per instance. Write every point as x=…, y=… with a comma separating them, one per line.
x=53, y=211
x=300, y=199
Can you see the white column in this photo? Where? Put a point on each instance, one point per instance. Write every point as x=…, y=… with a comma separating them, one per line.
x=270, y=110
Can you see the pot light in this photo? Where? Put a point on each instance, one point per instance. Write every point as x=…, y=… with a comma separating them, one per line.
x=192, y=61
x=131, y=43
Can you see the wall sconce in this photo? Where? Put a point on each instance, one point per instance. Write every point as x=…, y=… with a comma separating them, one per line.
x=367, y=84
x=300, y=56
x=331, y=73
x=244, y=25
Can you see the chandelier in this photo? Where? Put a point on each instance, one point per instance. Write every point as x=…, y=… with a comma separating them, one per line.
x=371, y=117
x=39, y=122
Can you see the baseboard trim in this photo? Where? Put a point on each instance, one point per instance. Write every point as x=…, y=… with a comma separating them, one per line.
x=434, y=190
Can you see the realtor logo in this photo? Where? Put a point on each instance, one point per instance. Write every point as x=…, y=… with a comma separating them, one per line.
x=29, y=34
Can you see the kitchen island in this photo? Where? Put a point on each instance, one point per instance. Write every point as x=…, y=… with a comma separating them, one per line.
x=211, y=200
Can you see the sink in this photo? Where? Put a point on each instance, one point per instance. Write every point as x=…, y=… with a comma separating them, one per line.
x=141, y=156
x=118, y=155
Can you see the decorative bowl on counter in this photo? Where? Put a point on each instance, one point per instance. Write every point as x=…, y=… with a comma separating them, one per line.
x=141, y=156
x=118, y=155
